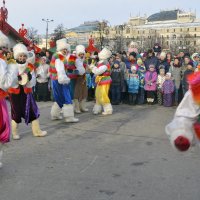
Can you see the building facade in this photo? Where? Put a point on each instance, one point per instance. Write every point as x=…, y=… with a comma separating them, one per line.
x=175, y=30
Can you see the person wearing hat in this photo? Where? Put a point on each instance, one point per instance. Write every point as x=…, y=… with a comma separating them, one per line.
x=196, y=59
x=22, y=102
x=8, y=78
x=175, y=70
x=151, y=60
x=163, y=62
x=81, y=91
x=168, y=90
x=150, y=84
x=42, y=86
x=60, y=84
x=133, y=84
x=117, y=76
x=103, y=80
x=141, y=73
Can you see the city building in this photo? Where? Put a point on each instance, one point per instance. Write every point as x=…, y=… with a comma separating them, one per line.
x=174, y=29
x=82, y=33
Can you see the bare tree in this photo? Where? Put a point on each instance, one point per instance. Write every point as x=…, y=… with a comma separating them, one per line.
x=32, y=34
x=103, y=31
x=59, y=32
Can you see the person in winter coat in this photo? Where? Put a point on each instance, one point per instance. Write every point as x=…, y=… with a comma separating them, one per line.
x=160, y=81
x=124, y=95
x=150, y=84
x=196, y=60
x=151, y=60
x=141, y=91
x=188, y=71
x=163, y=62
x=42, y=75
x=168, y=89
x=175, y=70
x=133, y=85
x=117, y=77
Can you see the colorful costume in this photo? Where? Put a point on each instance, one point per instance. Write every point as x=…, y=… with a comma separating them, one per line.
x=22, y=102
x=60, y=84
x=184, y=129
x=8, y=77
x=103, y=80
x=81, y=91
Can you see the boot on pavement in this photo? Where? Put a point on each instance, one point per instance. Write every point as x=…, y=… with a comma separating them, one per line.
x=15, y=134
x=37, y=132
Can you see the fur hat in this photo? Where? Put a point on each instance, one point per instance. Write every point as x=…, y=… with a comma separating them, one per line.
x=195, y=55
x=163, y=54
x=62, y=44
x=19, y=49
x=4, y=41
x=80, y=49
x=105, y=54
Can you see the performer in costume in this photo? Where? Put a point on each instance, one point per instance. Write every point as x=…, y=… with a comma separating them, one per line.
x=184, y=128
x=72, y=73
x=103, y=80
x=22, y=102
x=60, y=84
x=8, y=77
x=80, y=92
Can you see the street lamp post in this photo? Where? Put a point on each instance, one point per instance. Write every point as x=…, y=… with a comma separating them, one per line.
x=47, y=28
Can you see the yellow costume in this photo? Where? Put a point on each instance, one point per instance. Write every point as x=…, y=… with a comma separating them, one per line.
x=103, y=81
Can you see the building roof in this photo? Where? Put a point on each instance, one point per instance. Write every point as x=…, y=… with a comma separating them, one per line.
x=84, y=28
x=164, y=16
x=168, y=25
x=8, y=30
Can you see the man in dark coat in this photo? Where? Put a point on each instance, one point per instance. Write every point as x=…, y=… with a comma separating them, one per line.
x=151, y=60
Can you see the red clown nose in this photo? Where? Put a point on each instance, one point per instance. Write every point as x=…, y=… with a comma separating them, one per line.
x=182, y=143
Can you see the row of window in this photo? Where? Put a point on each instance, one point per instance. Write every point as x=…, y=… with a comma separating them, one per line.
x=186, y=43
x=128, y=30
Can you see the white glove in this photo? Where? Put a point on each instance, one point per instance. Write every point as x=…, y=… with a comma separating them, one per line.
x=81, y=71
x=63, y=79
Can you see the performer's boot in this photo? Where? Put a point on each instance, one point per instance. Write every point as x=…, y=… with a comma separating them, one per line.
x=107, y=109
x=83, y=106
x=68, y=113
x=97, y=109
x=15, y=134
x=37, y=132
x=56, y=112
x=77, y=106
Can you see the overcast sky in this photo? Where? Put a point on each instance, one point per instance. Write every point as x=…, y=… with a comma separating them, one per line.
x=74, y=12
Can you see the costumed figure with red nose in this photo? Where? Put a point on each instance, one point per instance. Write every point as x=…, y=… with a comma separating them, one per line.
x=80, y=91
x=61, y=84
x=103, y=80
x=22, y=101
x=185, y=127
x=8, y=78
